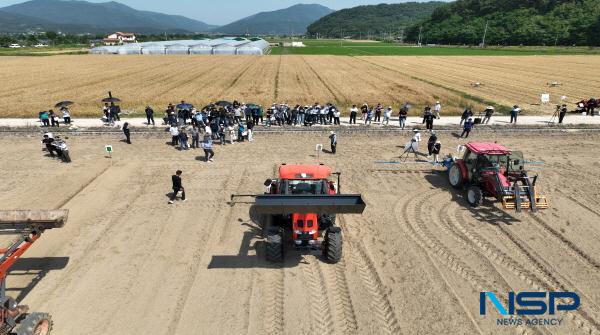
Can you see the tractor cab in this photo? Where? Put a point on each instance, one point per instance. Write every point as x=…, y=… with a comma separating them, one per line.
x=490, y=169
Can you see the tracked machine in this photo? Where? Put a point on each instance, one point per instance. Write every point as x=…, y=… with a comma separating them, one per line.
x=28, y=226
x=301, y=206
x=490, y=169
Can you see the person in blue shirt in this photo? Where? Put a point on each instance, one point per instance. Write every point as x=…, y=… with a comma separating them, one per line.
x=467, y=128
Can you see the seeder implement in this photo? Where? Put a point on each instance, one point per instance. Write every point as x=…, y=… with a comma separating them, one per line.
x=28, y=226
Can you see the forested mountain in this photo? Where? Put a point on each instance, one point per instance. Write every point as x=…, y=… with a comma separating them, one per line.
x=372, y=19
x=513, y=22
x=99, y=17
x=292, y=20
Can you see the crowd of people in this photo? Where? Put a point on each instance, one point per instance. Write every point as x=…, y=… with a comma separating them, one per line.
x=51, y=119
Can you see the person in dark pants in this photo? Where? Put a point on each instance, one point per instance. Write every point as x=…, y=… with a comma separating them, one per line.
x=514, y=113
x=431, y=142
x=150, y=115
x=177, y=186
x=428, y=119
x=465, y=116
x=126, y=132
x=207, y=145
x=333, y=139
x=48, y=142
x=467, y=128
x=562, y=113
x=44, y=116
x=353, y=112
x=378, y=113
x=53, y=118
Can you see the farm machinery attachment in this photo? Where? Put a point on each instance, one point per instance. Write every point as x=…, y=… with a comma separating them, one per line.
x=302, y=205
x=28, y=226
x=490, y=169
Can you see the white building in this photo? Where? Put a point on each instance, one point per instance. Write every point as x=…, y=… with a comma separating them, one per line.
x=119, y=38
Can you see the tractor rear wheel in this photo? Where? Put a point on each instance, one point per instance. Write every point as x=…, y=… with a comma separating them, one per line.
x=266, y=222
x=455, y=176
x=35, y=324
x=332, y=250
x=475, y=196
x=275, y=245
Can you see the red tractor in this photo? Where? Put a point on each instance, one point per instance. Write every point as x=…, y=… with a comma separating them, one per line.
x=301, y=204
x=28, y=226
x=490, y=169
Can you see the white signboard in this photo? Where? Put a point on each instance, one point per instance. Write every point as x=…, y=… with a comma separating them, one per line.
x=545, y=98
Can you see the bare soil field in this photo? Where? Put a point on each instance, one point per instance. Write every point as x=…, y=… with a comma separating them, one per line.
x=414, y=262
x=32, y=84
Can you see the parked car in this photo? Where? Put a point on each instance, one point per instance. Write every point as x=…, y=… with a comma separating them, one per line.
x=40, y=45
x=14, y=46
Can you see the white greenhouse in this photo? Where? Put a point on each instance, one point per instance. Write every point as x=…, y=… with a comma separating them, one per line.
x=153, y=49
x=177, y=49
x=219, y=46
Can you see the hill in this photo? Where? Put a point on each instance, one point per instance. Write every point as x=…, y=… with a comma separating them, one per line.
x=101, y=17
x=513, y=22
x=372, y=19
x=286, y=21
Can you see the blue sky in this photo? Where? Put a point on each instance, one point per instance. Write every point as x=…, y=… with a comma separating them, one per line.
x=221, y=12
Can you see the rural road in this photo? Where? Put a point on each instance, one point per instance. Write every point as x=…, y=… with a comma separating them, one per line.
x=499, y=120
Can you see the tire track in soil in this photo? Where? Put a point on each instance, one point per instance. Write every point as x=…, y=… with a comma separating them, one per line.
x=82, y=188
x=319, y=302
x=583, y=320
x=373, y=284
x=192, y=273
x=428, y=243
x=115, y=216
x=273, y=322
x=566, y=243
x=342, y=301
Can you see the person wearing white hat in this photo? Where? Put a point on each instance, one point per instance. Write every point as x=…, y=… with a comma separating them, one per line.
x=333, y=139
x=488, y=114
x=514, y=113
x=437, y=109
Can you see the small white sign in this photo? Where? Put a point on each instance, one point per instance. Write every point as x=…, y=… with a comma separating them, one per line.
x=319, y=147
x=545, y=98
x=108, y=148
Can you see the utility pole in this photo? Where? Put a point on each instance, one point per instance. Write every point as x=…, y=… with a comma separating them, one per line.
x=485, y=33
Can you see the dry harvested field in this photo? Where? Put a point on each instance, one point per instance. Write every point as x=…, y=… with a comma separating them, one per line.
x=506, y=80
x=31, y=84
x=414, y=262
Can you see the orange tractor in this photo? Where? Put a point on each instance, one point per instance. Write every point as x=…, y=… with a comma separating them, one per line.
x=301, y=205
x=490, y=169
x=28, y=226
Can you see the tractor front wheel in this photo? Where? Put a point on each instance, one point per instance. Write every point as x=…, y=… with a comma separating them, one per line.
x=332, y=250
x=455, y=176
x=474, y=196
x=35, y=324
x=275, y=245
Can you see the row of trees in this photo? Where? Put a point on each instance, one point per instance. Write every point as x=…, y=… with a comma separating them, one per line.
x=512, y=22
x=56, y=39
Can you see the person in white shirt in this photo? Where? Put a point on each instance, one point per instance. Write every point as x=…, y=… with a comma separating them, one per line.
x=174, y=135
x=387, y=114
x=336, y=117
x=437, y=109
x=66, y=115
x=353, y=113
x=323, y=115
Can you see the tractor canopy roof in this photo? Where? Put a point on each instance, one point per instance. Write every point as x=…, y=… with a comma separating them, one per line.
x=483, y=148
x=304, y=172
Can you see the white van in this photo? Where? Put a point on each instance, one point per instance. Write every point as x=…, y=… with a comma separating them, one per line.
x=14, y=46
